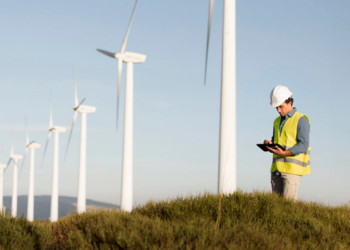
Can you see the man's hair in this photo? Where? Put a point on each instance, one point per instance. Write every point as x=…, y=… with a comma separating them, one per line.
x=290, y=99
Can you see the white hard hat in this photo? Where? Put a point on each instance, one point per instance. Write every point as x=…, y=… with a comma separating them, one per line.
x=278, y=95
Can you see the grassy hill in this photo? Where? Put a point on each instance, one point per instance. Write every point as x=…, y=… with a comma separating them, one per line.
x=240, y=221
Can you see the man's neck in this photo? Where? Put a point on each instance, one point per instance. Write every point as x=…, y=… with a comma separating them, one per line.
x=283, y=117
x=290, y=110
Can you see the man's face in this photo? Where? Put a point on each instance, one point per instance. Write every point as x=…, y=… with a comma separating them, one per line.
x=284, y=108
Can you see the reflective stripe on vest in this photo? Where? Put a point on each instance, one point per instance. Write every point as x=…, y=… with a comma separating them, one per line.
x=297, y=164
x=290, y=160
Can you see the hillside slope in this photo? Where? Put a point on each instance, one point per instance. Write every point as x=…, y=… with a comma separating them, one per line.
x=240, y=221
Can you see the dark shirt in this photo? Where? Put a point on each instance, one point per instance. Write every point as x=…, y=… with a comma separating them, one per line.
x=303, y=133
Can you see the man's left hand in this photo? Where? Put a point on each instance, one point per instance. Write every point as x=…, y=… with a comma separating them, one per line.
x=280, y=152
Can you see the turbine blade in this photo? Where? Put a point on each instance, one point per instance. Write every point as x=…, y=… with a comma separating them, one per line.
x=75, y=91
x=211, y=8
x=24, y=158
x=127, y=32
x=71, y=131
x=81, y=103
x=120, y=69
x=111, y=54
x=47, y=143
x=8, y=163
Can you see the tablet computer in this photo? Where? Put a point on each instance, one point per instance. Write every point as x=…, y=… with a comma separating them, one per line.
x=274, y=145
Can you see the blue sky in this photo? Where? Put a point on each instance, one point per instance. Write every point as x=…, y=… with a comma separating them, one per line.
x=303, y=45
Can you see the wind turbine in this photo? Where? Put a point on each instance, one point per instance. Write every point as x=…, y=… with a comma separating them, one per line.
x=227, y=152
x=32, y=146
x=83, y=110
x=129, y=58
x=54, y=195
x=2, y=168
x=15, y=159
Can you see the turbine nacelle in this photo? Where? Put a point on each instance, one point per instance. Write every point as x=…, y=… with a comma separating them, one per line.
x=57, y=129
x=29, y=143
x=126, y=56
x=33, y=145
x=3, y=166
x=16, y=157
x=131, y=57
x=85, y=109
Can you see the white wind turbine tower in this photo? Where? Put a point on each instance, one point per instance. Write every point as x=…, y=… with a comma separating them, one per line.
x=2, y=168
x=83, y=110
x=227, y=153
x=32, y=146
x=15, y=159
x=129, y=58
x=54, y=195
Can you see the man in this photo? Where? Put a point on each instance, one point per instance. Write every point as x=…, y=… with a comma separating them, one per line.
x=291, y=130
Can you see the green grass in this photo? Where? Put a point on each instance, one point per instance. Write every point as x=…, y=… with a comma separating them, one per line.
x=247, y=221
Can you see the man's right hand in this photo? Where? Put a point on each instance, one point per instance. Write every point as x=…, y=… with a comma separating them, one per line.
x=267, y=142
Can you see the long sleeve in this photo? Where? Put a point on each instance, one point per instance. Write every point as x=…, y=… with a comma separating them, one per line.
x=303, y=137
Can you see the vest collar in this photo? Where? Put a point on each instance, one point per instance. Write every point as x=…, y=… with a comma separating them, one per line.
x=290, y=114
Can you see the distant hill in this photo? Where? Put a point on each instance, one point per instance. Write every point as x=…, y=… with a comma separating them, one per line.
x=42, y=205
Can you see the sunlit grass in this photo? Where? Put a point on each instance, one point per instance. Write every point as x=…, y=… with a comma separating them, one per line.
x=247, y=221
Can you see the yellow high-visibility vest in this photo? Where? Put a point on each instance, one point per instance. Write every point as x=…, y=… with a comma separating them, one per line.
x=297, y=164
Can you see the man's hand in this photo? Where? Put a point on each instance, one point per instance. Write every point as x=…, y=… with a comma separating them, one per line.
x=280, y=152
x=267, y=142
